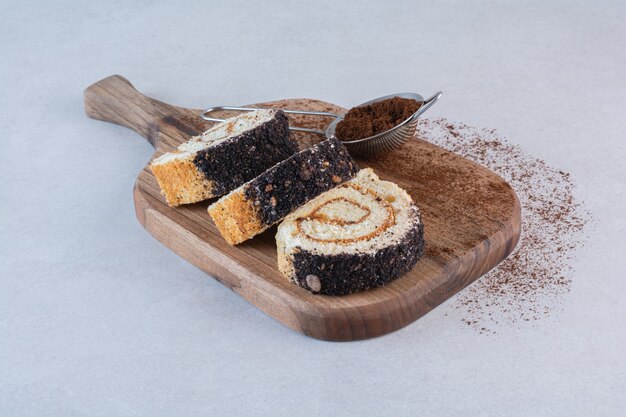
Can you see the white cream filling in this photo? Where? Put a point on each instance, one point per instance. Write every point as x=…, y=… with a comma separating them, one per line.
x=321, y=231
x=345, y=219
x=218, y=134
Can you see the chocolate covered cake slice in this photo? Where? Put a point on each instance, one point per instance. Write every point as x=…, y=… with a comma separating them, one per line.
x=224, y=157
x=359, y=235
x=265, y=200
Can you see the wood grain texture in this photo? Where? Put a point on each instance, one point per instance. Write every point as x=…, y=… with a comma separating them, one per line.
x=471, y=218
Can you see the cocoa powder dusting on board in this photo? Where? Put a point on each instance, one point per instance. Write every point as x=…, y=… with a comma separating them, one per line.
x=528, y=284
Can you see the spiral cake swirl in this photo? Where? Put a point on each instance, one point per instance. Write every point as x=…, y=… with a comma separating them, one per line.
x=359, y=235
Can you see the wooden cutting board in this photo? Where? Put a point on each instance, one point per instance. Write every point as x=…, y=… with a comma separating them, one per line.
x=471, y=218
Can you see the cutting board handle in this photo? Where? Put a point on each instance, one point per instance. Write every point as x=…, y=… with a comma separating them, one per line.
x=114, y=99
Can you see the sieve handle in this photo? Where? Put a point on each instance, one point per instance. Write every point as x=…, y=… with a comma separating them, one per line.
x=206, y=112
x=427, y=104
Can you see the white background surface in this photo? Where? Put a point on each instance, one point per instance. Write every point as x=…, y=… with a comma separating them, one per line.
x=97, y=318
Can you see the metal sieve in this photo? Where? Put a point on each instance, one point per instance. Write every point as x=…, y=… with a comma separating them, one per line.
x=370, y=146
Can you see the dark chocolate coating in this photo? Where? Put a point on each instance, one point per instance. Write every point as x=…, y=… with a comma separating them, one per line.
x=302, y=177
x=349, y=273
x=241, y=158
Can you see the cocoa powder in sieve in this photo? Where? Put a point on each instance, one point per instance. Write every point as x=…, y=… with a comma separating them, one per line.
x=364, y=121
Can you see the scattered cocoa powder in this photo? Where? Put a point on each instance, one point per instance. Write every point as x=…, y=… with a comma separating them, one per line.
x=365, y=121
x=527, y=285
